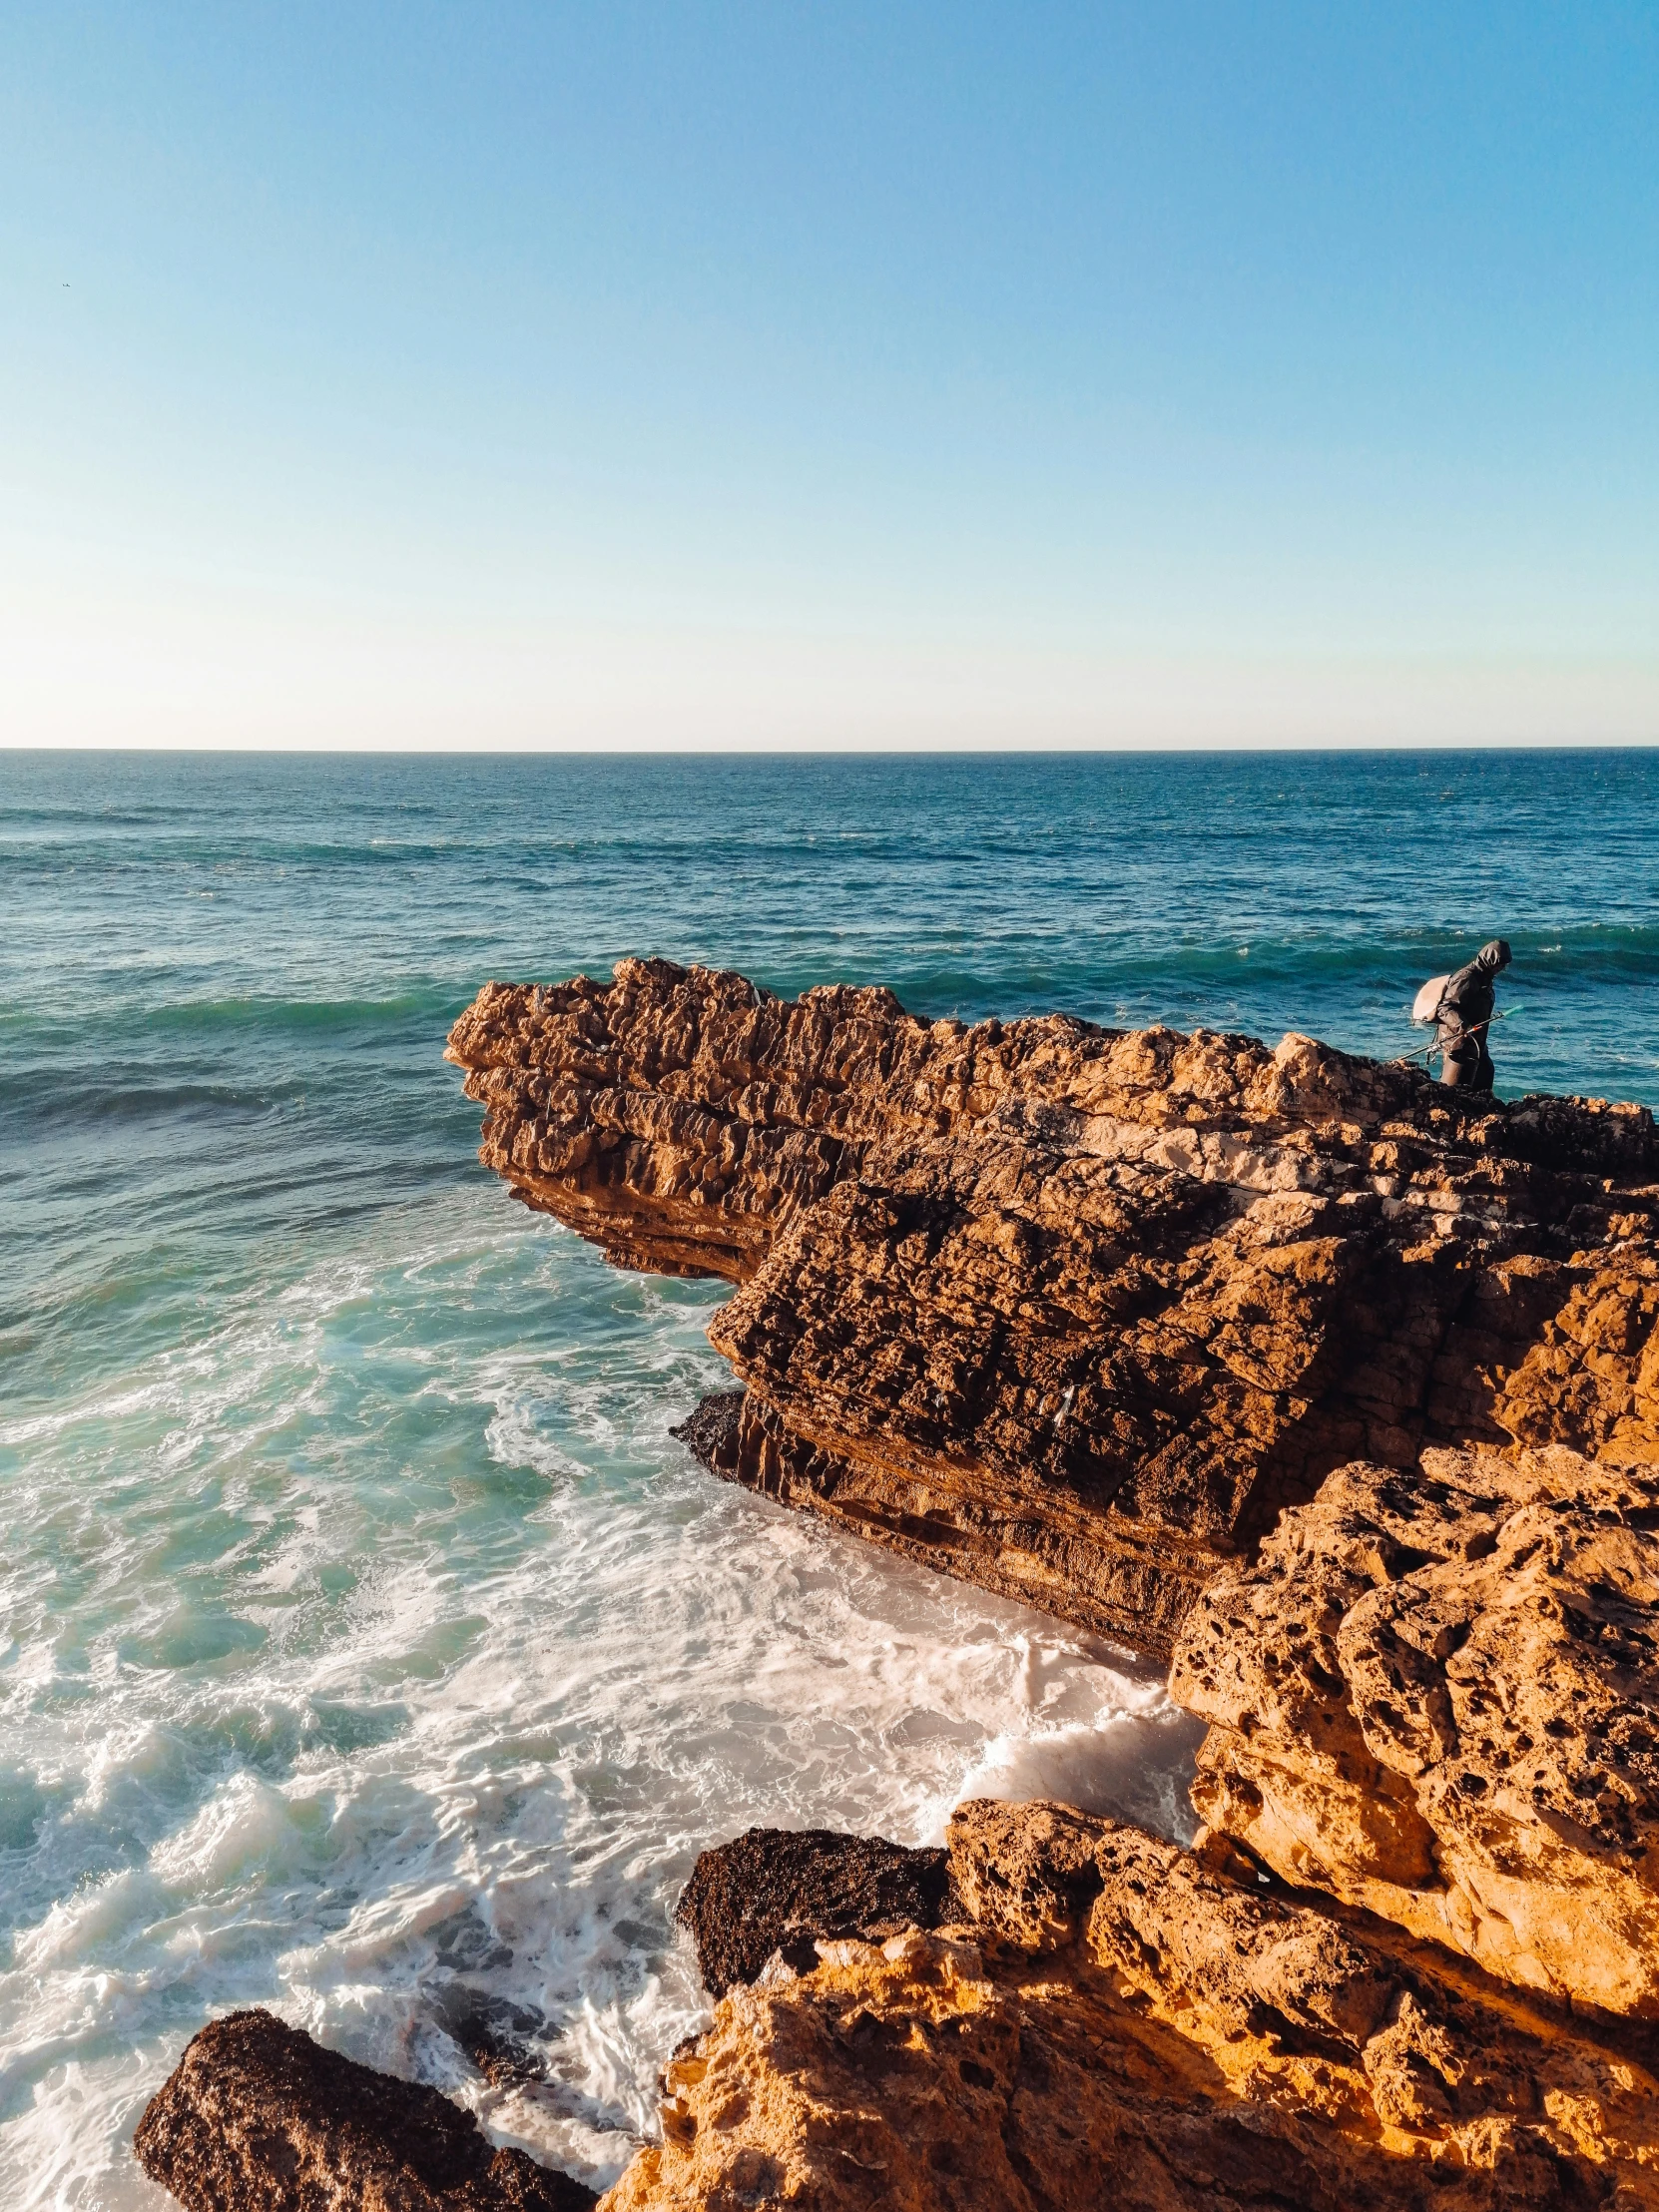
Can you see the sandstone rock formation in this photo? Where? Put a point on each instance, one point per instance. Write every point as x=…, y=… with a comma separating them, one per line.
x=1437, y=1695
x=256, y=2117
x=1344, y=1389
x=1090, y=1318
x=1114, y=2022
x=1074, y=1312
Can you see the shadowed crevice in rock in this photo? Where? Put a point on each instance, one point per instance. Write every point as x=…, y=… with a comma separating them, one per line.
x=781, y=1888
x=256, y=2117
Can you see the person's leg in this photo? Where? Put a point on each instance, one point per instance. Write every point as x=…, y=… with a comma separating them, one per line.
x=1460, y=1062
x=1484, y=1071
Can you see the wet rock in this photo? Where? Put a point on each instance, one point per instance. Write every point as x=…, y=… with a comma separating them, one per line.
x=778, y=1889
x=1114, y=2022
x=494, y=2034
x=1075, y=1313
x=256, y=2117
x=1437, y=1695
x=712, y=1433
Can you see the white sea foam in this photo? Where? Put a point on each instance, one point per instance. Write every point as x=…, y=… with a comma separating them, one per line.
x=405, y=1663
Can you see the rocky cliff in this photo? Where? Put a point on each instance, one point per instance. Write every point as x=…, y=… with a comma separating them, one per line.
x=1337, y=1388
x=1072, y=1313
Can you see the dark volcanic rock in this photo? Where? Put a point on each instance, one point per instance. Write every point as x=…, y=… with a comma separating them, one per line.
x=1076, y=1313
x=256, y=2117
x=778, y=1889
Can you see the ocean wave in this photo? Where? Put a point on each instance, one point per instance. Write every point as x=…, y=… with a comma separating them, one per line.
x=575, y=1689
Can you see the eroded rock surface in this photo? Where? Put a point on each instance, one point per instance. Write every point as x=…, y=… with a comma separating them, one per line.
x=256, y=2117
x=1437, y=1695
x=1116, y=2022
x=780, y=1888
x=1343, y=1387
x=1075, y=1313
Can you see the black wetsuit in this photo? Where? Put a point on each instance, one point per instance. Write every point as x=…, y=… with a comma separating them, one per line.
x=1465, y=1014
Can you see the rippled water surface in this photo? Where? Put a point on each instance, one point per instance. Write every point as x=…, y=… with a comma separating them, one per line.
x=367, y=1647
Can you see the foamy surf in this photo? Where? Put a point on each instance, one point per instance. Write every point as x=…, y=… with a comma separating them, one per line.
x=409, y=1714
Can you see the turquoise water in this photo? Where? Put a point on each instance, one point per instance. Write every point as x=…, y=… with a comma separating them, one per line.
x=367, y=1648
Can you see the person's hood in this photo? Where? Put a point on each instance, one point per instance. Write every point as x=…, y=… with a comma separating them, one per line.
x=1491, y=957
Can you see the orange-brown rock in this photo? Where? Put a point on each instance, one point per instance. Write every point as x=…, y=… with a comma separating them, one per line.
x=1437, y=1695
x=1076, y=1313
x=256, y=2117
x=1117, y=2023
x=1344, y=1386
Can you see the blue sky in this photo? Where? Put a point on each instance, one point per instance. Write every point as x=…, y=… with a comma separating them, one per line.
x=829, y=375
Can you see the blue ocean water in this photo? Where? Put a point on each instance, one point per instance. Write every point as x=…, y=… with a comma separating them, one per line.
x=367, y=1648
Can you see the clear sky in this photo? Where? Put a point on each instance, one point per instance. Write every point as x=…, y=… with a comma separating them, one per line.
x=779, y=375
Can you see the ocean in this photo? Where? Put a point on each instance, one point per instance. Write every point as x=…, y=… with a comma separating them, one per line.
x=368, y=1649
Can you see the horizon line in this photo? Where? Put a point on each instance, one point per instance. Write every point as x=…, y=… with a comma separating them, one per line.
x=807, y=751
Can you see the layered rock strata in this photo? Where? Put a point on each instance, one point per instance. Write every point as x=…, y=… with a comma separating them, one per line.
x=1075, y=1313
x=256, y=2117
x=1436, y=1694
x=1111, y=2020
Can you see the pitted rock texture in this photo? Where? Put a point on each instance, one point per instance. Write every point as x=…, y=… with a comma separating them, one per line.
x=713, y=1432
x=1075, y=1313
x=780, y=1888
x=256, y=2117
x=1437, y=1695
x=1115, y=2021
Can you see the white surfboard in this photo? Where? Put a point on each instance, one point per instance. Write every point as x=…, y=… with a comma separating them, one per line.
x=1427, y=1004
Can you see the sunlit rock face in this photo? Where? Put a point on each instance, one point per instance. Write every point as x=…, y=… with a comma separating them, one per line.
x=1074, y=1312
x=1110, y=2020
x=1337, y=1387
x=1437, y=1695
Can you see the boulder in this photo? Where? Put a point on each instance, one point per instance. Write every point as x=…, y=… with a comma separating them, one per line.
x=256, y=2117
x=778, y=1890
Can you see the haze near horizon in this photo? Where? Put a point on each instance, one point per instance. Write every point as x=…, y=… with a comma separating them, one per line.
x=723, y=376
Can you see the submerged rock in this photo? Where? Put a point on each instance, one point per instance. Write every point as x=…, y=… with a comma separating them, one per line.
x=256, y=2117
x=1076, y=1313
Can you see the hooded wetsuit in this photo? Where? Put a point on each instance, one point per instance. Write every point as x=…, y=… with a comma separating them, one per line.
x=1463, y=1018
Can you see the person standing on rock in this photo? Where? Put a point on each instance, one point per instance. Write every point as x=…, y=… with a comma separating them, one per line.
x=1463, y=1016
